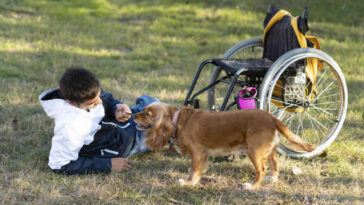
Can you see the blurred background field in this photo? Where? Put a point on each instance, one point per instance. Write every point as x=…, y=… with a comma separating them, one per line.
x=154, y=47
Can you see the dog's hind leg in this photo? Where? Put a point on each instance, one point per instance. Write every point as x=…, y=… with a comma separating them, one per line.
x=258, y=162
x=205, y=163
x=273, y=166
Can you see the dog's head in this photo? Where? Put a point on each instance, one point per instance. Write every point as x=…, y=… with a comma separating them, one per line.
x=156, y=120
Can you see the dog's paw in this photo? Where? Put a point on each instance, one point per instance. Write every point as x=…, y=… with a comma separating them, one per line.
x=248, y=186
x=181, y=182
x=184, y=182
x=270, y=179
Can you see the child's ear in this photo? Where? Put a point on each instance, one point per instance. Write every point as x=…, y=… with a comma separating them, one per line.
x=72, y=103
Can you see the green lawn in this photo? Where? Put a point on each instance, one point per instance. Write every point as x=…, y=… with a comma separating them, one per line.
x=154, y=47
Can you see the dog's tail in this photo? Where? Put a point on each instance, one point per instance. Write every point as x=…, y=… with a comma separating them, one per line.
x=292, y=138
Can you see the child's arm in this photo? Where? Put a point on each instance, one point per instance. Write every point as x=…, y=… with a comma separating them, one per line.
x=120, y=164
x=95, y=165
x=122, y=112
x=109, y=104
x=114, y=109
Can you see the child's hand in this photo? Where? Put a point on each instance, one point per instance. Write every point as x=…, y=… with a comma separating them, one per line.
x=120, y=164
x=122, y=112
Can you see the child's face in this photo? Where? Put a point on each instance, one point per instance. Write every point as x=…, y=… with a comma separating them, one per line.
x=89, y=104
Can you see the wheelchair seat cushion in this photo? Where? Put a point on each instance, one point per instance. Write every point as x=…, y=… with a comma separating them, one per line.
x=254, y=66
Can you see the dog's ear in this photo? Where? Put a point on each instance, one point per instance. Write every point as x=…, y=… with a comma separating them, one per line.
x=171, y=110
x=160, y=134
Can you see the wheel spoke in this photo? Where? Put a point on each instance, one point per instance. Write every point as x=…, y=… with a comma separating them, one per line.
x=291, y=105
x=317, y=127
x=324, y=111
x=317, y=121
x=292, y=117
x=317, y=85
x=325, y=96
x=319, y=81
x=276, y=85
x=314, y=129
x=299, y=124
x=327, y=119
x=327, y=103
x=324, y=108
x=303, y=129
x=325, y=90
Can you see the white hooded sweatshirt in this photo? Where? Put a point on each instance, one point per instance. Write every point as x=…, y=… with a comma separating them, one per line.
x=74, y=127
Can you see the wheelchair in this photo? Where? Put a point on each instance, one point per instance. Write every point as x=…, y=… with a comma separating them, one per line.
x=312, y=106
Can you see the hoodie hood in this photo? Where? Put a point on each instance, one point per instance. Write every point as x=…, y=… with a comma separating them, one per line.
x=52, y=102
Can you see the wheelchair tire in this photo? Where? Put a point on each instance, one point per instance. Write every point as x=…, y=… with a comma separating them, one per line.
x=250, y=48
x=323, y=110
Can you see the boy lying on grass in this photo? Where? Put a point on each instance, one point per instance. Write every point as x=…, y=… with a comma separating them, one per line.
x=93, y=131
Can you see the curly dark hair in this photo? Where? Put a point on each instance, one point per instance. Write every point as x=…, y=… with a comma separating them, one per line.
x=78, y=85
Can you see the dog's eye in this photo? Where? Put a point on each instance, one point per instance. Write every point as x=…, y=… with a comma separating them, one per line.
x=147, y=114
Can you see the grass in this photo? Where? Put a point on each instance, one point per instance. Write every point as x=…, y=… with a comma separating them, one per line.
x=154, y=47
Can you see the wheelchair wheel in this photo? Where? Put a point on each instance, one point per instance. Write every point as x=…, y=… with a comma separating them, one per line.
x=319, y=114
x=250, y=48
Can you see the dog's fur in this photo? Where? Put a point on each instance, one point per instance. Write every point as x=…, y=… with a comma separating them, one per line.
x=203, y=133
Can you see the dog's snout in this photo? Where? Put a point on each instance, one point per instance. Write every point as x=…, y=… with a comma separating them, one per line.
x=136, y=115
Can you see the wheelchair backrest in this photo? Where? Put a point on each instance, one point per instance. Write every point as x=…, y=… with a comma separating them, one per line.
x=280, y=35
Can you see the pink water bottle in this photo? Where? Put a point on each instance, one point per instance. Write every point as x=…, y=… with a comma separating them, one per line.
x=246, y=98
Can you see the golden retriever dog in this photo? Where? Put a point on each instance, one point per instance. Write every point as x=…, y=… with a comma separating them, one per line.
x=203, y=133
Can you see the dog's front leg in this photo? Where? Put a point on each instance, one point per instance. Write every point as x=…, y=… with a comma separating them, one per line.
x=195, y=170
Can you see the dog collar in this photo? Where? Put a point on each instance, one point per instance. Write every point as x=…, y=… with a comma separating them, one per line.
x=171, y=141
x=171, y=145
x=175, y=117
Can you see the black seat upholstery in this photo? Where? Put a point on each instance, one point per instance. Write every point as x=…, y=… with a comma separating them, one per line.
x=255, y=66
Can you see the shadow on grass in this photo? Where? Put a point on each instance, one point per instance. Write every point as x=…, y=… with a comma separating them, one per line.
x=354, y=88
x=315, y=198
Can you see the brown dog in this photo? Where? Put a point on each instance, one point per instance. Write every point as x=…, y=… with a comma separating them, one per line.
x=203, y=133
